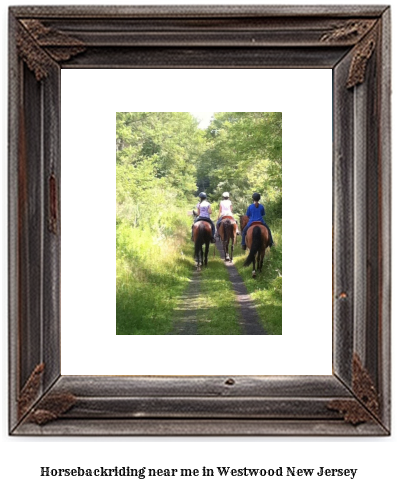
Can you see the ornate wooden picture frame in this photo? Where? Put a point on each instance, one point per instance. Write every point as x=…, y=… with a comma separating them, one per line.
x=353, y=41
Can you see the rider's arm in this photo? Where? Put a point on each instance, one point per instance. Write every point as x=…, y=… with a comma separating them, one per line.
x=220, y=211
x=209, y=210
x=262, y=212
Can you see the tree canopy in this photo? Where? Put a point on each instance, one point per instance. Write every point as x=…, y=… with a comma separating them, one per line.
x=156, y=161
x=244, y=154
x=165, y=158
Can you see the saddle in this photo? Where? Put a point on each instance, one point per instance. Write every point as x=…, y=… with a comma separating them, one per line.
x=228, y=217
x=205, y=219
x=256, y=222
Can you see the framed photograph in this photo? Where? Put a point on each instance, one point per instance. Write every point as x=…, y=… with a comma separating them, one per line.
x=185, y=189
x=353, y=44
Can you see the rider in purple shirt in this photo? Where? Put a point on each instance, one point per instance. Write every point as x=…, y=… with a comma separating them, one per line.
x=204, y=213
x=255, y=212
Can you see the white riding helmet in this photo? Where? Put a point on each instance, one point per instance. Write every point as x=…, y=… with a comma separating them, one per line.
x=225, y=195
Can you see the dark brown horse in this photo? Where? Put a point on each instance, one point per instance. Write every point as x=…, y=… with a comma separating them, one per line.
x=202, y=234
x=228, y=231
x=257, y=240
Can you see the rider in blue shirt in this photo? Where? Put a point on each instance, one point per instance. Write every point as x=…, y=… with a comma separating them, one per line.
x=255, y=212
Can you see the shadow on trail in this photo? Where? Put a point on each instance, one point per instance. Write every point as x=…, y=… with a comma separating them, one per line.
x=249, y=319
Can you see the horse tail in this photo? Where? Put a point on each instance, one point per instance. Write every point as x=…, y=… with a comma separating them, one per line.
x=255, y=246
x=199, y=241
x=225, y=231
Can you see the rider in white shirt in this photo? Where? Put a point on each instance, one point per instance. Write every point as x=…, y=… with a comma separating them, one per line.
x=225, y=208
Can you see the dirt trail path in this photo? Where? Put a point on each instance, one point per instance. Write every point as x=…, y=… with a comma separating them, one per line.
x=249, y=319
x=185, y=322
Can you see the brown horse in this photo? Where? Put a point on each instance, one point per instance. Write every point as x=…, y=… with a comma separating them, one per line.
x=228, y=230
x=257, y=240
x=202, y=234
x=243, y=221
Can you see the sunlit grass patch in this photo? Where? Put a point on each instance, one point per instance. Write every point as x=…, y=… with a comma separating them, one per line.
x=217, y=311
x=151, y=276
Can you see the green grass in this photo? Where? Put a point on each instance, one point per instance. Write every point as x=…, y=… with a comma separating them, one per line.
x=266, y=288
x=217, y=312
x=151, y=276
x=153, y=273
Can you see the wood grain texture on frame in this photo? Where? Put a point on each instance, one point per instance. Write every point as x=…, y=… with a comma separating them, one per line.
x=352, y=41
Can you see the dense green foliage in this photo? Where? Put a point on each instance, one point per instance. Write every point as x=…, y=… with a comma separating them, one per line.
x=163, y=160
x=155, y=176
x=244, y=154
x=156, y=161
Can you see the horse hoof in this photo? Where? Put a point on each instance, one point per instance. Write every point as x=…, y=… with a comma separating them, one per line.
x=253, y=274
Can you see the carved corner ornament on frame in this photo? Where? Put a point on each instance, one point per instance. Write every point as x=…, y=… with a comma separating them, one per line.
x=353, y=42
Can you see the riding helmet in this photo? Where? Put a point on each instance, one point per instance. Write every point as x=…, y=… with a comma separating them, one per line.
x=256, y=197
x=202, y=195
x=225, y=195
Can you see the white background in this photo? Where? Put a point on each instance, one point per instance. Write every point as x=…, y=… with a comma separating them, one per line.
x=21, y=458
x=89, y=344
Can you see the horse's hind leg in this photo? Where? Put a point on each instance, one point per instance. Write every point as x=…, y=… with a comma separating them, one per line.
x=206, y=254
x=199, y=260
x=226, y=250
x=261, y=261
x=232, y=249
